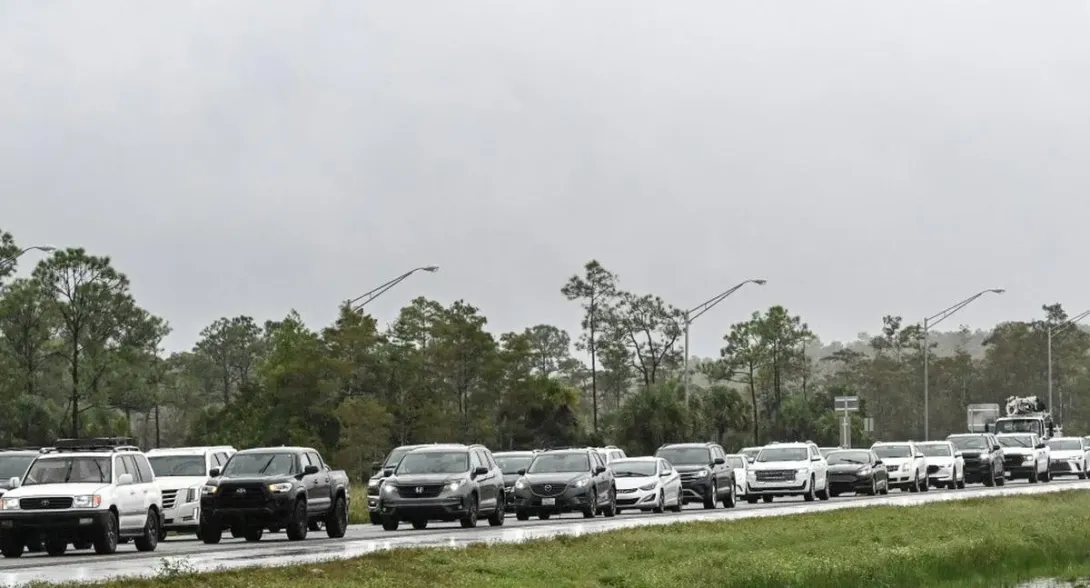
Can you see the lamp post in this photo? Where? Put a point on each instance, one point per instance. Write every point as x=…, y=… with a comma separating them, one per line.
x=694, y=313
x=1055, y=331
x=929, y=322
x=13, y=258
x=362, y=300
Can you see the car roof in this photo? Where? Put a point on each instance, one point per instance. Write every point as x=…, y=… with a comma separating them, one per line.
x=188, y=450
x=894, y=443
x=942, y=442
x=521, y=453
x=639, y=458
x=790, y=444
x=694, y=444
x=1052, y=439
x=281, y=449
x=441, y=448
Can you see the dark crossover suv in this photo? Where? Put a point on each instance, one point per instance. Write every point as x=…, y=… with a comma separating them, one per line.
x=566, y=480
x=511, y=462
x=705, y=474
x=856, y=470
x=983, y=458
x=374, y=485
x=443, y=483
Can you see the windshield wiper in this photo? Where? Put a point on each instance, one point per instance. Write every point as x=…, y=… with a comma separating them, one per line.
x=851, y=461
x=266, y=466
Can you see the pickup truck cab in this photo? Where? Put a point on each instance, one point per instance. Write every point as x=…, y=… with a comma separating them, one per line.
x=274, y=488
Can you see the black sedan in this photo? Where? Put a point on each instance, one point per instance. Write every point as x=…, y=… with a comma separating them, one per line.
x=856, y=470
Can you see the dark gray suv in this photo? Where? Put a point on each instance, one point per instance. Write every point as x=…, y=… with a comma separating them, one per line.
x=443, y=483
x=566, y=480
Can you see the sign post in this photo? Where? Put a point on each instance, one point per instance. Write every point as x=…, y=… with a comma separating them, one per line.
x=846, y=405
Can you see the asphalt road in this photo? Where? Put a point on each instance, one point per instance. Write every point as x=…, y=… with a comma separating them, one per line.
x=187, y=554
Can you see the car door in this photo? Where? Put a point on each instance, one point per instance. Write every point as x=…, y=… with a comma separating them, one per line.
x=485, y=489
x=819, y=468
x=601, y=480
x=724, y=474
x=126, y=498
x=881, y=474
x=919, y=462
x=671, y=481
x=320, y=494
x=495, y=475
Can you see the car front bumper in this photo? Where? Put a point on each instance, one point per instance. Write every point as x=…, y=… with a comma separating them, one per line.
x=274, y=512
x=778, y=488
x=69, y=524
x=1066, y=467
x=182, y=516
x=941, y=474
x=696, y=488
x=440, y=508
x=637, y=498
x=850, y=482
x=568, y=501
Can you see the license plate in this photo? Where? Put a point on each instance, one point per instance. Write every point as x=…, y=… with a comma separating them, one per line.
x=86, y=521
x=548, y=502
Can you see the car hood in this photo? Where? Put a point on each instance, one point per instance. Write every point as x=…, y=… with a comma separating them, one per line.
x=555, y=478
x=846, y=468
x=425, y=479
x=691, y=468
x=1066, y=453
x=1017, y=451
x=779, y=465
x=635, y=482
x=179, y=482
x=897, y=461
x=940, y=460
x=247, y=480
x=55, y=490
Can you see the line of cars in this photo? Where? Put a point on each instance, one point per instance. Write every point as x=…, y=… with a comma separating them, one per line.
x=102, y=492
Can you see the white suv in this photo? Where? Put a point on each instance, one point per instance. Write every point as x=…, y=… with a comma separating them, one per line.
x=905, y=464
x=788, y=469
x=181, y=473
x=83, y=492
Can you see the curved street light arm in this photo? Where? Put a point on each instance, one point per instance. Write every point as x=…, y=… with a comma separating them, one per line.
x=931, y=321
x=712, y=302
x=12, y=259
x=368, y=296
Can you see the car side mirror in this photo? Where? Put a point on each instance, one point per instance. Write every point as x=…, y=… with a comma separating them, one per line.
x=521, y=472
x=310, y=470
x=719, y=461
x=214, y=473
x=600, y=470
x=816, y=458
x=751, y=459
x=481, y=471
x=996, y=448
x=14, y=482
x=386, y=473
x=664, y=475
x=878, y=462
x=124, y=480
x=1041, y=446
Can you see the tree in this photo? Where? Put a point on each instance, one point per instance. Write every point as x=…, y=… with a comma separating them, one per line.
x=649, y=329
x=550, y=349
x=741, y=361
x=596, y=289
x=230, y=346
x=8, y=250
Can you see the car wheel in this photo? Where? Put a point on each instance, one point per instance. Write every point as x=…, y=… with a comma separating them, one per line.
x=55, y=546
x=660, y=505
x=592, y=509
x=390, y=523
x=713, y=495
x=106, y=540
x=731, y=499
x=298, y=526
x=496, y=518
x=470, y=520
x=337, y=524
x=150, y=539
x=611, y=507
x=522, y=515
x=420, y=524
x=810, y=495
x=11, y=545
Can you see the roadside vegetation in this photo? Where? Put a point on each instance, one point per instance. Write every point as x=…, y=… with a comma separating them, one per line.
x=984, y=542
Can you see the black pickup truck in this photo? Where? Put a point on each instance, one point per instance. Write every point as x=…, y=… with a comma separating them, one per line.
x=274, y=488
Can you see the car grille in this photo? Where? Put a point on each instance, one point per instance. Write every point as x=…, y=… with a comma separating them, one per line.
x=626, y=491
x=775, y=475
x=548, y=489
x=1013, y=460
x=169, y=498
x=933, y=469
x=46, y=503
x=841, y=478
x=240, y=496
x=420, y=491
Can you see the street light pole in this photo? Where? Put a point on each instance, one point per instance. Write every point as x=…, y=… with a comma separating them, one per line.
x=1051, y=331
x=367, y=297
x=13, y=258
x=699, y=310
x=929, y=322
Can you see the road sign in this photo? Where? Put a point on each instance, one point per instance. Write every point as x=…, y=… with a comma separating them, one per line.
x=868, y=425
x=846, y=403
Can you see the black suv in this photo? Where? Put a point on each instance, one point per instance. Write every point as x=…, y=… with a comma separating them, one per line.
x=705, y=474
x=443, y=483
x=512, y=462
x=565, y=480
x=983, y=458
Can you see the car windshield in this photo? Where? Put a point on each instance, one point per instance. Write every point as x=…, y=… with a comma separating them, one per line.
x=14, y=466
x=1016, y=441
x=894, y=451
x=686, y=455
x=177, y=465
x=935, y=449
x=434, y=462
x=736, y=461
x=395, y=457
x=1065, y=445
x=553, y=463
x=971, y=442
x=69, y=470
x=825, y=451
x=848, y=457
x=260, y=464
x=511, y=464
x=750, y=453
x=623, y=468
x=1019, y=426
x=783, y=454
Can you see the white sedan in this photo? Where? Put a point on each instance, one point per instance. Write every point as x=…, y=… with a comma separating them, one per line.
x=646, y=483
x=740, y=464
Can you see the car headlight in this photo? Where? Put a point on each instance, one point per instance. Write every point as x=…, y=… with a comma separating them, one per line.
x=864, y=471
x=454, y=485
x=582, y=483
x=702, y=473
x=521, y=484
x=193, y=494
x=280, y=487
x=209, y=490
x=92, y=501
x=649, y=487
x=374, y=482
x=11, y=504
x=389, y=489
x=751, y=475
x=802, y=472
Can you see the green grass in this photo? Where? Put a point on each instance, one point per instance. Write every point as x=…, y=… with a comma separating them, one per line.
x=984, y=542
x=357, y=507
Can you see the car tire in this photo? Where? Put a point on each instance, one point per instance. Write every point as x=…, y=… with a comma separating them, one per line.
x=470, y=520
x=767, y=498
x=254, y=534
x=211, y=533
x=150, y=539
x=730, y=500
x=420, y=524
x=376, y=519
x=336, y=524
x=713, y=496
x=873, y=487
x=1082, y=474
x=522, y=515
x=55, y=547
x=106, y=539
x=678, y=504
x=12, y=545
x=610, y=509
x=544, y=516
x=660, y=505
x=811, y=494
x=390, y=523
x=298, y=527
x=592, y=510
x=915, y=487
x=496, y=518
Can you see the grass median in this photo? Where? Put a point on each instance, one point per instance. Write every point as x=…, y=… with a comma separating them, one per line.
x=357, y=507
x=982, y=542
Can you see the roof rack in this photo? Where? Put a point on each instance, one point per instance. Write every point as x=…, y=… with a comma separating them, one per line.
x=108, y=444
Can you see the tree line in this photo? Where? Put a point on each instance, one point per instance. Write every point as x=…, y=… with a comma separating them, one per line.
x=79, y=356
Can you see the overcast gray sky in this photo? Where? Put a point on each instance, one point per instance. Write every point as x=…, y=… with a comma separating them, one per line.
x=249, y=157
